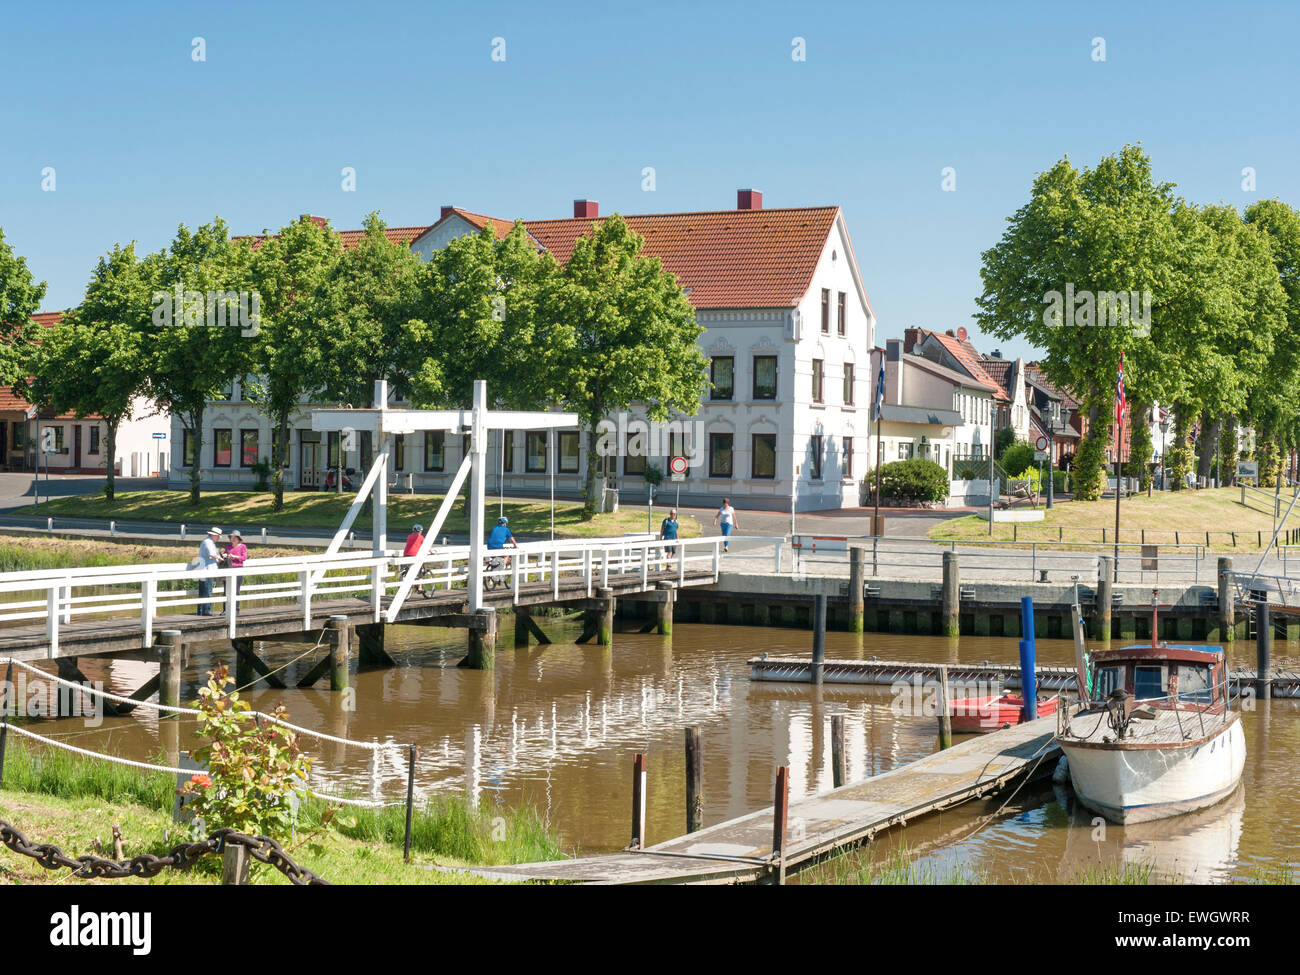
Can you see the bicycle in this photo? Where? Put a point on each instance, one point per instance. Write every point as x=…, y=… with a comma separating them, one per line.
x=493, y=564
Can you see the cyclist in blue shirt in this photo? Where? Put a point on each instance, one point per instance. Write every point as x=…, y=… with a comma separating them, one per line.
x=501, y=535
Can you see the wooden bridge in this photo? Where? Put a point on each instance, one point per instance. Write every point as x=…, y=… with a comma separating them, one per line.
x=151, y=611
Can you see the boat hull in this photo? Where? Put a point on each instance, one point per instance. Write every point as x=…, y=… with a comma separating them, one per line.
x=981, y=715
x=1136, y=784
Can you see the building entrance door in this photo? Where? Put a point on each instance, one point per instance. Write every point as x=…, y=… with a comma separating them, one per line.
x=311, y=466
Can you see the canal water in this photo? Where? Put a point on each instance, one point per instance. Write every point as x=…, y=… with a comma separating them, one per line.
x=556, y=727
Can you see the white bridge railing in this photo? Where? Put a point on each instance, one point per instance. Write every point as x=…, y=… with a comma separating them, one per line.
x=146, y=594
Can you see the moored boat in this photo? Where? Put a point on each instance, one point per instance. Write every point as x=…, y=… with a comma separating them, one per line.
x=978, y=715
x=1156, y=735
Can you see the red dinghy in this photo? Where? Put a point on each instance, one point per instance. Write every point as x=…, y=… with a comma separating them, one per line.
x=978, y=715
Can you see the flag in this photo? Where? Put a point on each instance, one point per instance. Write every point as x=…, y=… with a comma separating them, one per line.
x=880, y=390
x=1120, y=402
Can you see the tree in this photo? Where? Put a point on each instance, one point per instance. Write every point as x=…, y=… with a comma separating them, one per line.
x=189, y=357
x=619, y=331
x=291, y=273
x=20, y=298
x=368, y=328
x=92, y=363
x=1275, y=398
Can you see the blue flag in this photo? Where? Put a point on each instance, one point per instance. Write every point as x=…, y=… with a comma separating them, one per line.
x=880, y=390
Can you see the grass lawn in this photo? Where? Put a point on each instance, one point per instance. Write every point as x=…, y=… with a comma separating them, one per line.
x=250, y=510
x=1182, y=516
x=27, y=554
x=73, y=803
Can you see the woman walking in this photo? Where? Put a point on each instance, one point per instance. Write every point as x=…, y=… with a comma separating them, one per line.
x=726, y=517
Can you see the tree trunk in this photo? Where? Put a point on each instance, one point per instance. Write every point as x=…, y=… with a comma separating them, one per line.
x=1209, y=444
x=589, y=482
x=110, y=445
x=282, y=438
x=196, y=434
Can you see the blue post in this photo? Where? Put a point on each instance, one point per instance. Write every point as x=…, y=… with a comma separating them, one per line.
x=1028, y=679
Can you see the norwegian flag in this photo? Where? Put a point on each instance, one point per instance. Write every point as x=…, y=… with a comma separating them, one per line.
x=1120, y=402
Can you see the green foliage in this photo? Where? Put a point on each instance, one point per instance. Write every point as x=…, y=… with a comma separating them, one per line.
x=1140, y=449
x=1017, y=458
x=917, y=480
x=1089, y=463
x=253, y=769
x=262, y=471
x=54, y=772
x=1002, y=440
x=20, y=298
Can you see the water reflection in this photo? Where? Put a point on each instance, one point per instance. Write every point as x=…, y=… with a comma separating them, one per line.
x=556, y=726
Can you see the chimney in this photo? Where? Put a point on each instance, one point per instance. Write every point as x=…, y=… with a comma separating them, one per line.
x=586, y=209
x=447, y=208
x=911, y=337
x=749, y=200
x=894, y=372
x=318, y=221
x=951, y=333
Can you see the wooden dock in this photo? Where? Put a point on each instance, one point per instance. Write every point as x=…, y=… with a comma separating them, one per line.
x=739, y=851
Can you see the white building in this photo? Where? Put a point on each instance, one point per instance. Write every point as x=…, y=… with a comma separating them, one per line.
x=788, y=329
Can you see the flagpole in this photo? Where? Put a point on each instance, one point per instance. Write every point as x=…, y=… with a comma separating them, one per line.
x=880, y=419
x=1119, y=450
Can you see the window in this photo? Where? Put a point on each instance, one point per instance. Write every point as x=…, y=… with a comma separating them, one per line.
x=847, y=464
x=764, y=377
x=818, y=371
x=720, y=445
x=399, y=452
x=722, y=373
x=94, y=441
x=188, y=453
x=508, y=446
x=433, y=450
x=634, y=454
x=20, y=434
x=826, y=311
x=815, y=462
x=764, y=456
x=58, y=439
x=1109, y=679
x=569, y=452
x=678, y=443
x=839, y=319
x=905, y=450
x=1148, y=683
x=535, y=452
x=1194, y=683
x=221, y=448
x=848, y=384
x=247, y=448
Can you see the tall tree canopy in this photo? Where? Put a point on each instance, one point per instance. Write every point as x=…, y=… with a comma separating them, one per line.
x=20, y=298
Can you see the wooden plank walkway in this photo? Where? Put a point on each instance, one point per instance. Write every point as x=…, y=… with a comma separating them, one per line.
x=89, y=636
x=739, y=850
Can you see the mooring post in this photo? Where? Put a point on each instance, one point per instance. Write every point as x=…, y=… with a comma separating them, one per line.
x=1028, y=670
x=857, y=585
x=780, y=813
x=694, y=781
x=943, y=709
x=336, y=633
x=1227, y=607
x=234, y=865
x=605, y=627
x=168, y=648
x=482, y=640
x=1102, y=610
x=638, y=802
x=664, y=608
x=245, y=674
x=410, y=801
x=839, y=769
x=522, y=617
x=819, y=638
x=1263, y=648
x=951, y=624
x=4, y=717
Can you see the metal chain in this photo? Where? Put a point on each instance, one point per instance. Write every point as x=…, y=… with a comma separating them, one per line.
x=260, y=848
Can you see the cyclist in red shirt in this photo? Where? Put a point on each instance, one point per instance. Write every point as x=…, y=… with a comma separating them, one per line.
x=413, y=541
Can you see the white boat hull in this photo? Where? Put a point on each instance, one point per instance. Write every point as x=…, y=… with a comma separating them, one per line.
x=1138, y=784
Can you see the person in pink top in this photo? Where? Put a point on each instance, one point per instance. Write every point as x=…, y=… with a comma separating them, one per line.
x=236, y=554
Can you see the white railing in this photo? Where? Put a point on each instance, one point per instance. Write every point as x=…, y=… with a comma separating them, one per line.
x=144, y=595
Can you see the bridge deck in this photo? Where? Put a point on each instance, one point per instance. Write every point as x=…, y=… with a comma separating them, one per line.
x=738, y=850
x=86, y=636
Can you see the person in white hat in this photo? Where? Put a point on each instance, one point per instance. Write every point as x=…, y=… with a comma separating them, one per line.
x=209, y=558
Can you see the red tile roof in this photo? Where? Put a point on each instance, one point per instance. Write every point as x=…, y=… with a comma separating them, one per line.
x=726, y=258
x=969, y=359
x=480, y=220
x=349, y=238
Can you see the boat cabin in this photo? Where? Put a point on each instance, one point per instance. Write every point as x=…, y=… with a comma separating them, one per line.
x=1185, y=677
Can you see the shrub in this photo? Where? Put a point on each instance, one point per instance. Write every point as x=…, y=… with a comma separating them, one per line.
x=1018, y=458
x=1089, y=461
x=916, y=480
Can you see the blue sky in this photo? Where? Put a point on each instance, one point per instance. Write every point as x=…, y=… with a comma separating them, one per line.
x=142, y=137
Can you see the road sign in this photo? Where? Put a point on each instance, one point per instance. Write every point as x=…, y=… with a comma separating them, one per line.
x=1041, y=443
x=160, y=436
x=677, y=467
x=1040, y=455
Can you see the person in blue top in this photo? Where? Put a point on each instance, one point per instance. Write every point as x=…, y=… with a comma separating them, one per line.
x=668, y=531
x=501, y=536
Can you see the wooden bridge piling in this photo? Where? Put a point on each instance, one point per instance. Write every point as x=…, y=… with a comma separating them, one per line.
x=1227, y=604
x=337, y=634
x=169, y=653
